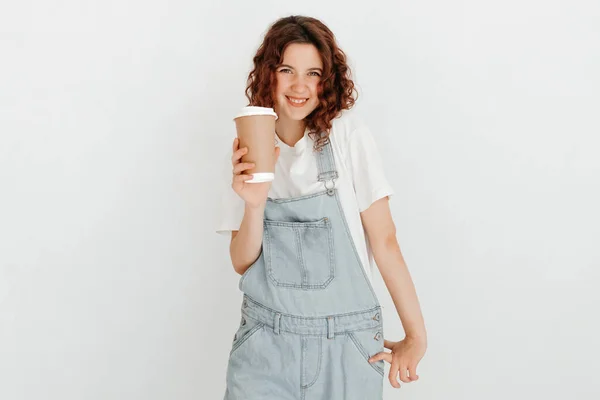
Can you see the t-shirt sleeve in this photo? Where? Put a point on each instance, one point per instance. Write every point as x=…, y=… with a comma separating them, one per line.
x=230, y=210
x=368, y=174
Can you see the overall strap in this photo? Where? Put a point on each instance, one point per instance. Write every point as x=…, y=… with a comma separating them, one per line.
x=326, y=165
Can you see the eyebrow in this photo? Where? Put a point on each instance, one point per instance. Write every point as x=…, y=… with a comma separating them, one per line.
x=310, y=69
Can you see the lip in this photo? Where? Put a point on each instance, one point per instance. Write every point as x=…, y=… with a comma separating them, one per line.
x=294, y=104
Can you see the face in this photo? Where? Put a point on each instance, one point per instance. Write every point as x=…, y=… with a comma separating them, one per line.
x=298, y=77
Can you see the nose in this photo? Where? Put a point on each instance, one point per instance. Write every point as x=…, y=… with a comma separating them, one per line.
x=299, y=84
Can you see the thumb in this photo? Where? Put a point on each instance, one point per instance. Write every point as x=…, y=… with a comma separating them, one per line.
x=277, y=151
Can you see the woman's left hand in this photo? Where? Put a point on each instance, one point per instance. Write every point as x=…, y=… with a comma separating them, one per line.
x=404, y=357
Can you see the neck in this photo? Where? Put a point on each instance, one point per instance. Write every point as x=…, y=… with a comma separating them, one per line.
x=290, y=131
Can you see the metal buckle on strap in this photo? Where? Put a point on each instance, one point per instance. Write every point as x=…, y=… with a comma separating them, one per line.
x=330, y=191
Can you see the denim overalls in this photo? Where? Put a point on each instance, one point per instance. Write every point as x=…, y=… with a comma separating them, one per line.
x=310, y=318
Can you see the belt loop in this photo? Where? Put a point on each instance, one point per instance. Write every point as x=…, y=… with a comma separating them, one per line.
x=329, y=327
x=276, y=323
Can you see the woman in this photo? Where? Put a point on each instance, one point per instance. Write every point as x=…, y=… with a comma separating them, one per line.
x=311, y=325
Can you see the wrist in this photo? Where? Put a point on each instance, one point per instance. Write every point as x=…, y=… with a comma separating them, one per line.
x=256, y=209
x=417, y=336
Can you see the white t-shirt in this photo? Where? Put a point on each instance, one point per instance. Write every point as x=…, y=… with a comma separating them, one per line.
x=362, y=179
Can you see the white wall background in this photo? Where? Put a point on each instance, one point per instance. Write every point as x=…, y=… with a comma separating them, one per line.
x=115, y=116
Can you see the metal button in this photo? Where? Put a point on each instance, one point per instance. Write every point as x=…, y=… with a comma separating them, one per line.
x=245, y=304
x=377, y=336
x=235, y=337
x=243, y=321
x=376, y=317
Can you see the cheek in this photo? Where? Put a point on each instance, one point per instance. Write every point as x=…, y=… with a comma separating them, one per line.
x=316, y=93
x=277, y=90
x=316, y=90
x=279, y=86
x=315, y=103
x=283, y=82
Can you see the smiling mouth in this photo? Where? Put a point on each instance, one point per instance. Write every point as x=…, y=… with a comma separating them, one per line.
x=296, y=101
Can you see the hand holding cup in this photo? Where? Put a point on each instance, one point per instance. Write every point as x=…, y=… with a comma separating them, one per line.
x=254, y=194
x=254, y=154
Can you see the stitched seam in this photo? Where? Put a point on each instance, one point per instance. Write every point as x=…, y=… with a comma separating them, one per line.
x=363, y=352
x=318, y=364
x=301, y=317
x=332, y=260
x=267, y=245
x=302, y=362
x=250, y=333
x=345, y=223
x=300, y=256
x=292, y=199
x=321, y=224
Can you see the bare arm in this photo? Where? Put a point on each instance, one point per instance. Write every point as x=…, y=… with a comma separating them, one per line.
x=405, y=354
x=381, y=231
x=246, y=244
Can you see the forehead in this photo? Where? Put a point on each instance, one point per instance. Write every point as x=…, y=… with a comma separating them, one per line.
x=302, y=56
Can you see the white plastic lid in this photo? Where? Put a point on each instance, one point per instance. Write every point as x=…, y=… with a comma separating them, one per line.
x=261, y=177
x=253, y=110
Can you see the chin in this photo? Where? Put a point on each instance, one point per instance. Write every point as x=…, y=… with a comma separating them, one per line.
x=299, y=117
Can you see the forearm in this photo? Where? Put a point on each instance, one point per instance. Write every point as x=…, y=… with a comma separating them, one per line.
x=402, y=290
x=246, y=246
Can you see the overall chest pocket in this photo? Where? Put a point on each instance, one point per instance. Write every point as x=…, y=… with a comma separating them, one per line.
x=299, y=254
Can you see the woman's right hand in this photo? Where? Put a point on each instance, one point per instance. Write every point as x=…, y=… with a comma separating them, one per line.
x=254, y=194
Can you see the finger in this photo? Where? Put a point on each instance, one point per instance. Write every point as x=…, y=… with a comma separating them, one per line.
x=235, y=145
x=238, y=154
x=242, y=177
x=381, y=356
x=388, y=344
x=242, y=167
x=393, y=375
x=404, y=373
x=412, y=372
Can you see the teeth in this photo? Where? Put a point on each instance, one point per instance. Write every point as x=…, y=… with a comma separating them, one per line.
x=297, y=101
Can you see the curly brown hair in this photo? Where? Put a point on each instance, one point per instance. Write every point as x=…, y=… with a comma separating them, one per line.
x=335, y=90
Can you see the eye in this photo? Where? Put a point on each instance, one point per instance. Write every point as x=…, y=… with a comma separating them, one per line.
x=314, y=72
x=284, y=69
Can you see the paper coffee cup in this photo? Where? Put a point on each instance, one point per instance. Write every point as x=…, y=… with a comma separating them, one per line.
x=255, y=128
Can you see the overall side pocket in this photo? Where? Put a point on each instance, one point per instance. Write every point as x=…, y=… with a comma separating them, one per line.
x=247, y=328
x=368, y=343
